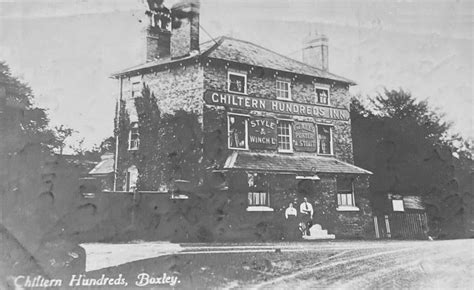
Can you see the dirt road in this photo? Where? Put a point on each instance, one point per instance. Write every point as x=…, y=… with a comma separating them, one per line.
x=416, y=265
x=341, y=265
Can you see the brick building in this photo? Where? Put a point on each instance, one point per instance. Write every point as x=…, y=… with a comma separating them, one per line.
x=275, y=129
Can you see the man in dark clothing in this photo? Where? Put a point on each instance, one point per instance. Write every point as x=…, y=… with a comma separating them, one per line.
x=306, y=210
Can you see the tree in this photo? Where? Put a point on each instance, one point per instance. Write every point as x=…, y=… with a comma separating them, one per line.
x=107, y=145
x=37, y=188
x=407, y=146
x=22, y=124
x=62, y=132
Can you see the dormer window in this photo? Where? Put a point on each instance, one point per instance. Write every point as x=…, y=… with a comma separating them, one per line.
x=133, y=137
x=322, y=94
x=283, y=91
x=237, y=83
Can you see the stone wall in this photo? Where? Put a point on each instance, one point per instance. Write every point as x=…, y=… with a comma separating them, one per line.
x=261, y=83
x=177, y=88
x=284, y=189
x=181, y=87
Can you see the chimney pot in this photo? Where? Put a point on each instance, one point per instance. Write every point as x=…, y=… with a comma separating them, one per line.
x=185, y=28
x=157, y=43
x=158, y=34
x=315, y=51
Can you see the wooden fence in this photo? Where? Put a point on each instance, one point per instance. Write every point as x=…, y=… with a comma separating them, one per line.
x=401, y=225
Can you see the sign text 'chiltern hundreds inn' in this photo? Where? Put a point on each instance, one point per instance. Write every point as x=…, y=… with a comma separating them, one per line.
x=252, y=103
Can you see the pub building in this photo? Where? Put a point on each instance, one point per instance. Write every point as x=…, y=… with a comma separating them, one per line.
x=276, y=129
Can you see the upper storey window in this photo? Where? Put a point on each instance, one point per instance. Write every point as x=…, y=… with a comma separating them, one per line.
x=237, y=82
x=322, y=94
x=133, y=137
x=136, y=86
x=283, y=91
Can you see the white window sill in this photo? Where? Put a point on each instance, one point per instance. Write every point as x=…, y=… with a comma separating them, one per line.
x=347, y=208
x=238, y=93
x=241, y=149
x=259, y=208
x=180, y=196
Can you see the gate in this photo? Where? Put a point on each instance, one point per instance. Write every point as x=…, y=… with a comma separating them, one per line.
x=399, y=225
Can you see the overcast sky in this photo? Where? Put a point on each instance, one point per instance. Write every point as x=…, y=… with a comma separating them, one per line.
x=67, y=49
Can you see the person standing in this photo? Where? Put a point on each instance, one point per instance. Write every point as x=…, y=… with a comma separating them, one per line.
x=291, y=222
x=306, y=210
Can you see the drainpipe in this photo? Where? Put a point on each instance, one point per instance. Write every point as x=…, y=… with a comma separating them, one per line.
x=119, y=98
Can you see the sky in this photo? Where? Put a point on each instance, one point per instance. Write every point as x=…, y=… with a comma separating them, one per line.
x=66, y=50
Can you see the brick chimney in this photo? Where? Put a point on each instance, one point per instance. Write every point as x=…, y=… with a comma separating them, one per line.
x=157, y=43
x=158, y=33
x=185, y=28
x=315, y=51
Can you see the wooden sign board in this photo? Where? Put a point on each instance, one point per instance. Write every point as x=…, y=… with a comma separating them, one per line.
x=304, y=137
x=262, y=133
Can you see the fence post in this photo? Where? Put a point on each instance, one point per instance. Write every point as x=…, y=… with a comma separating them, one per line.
x=376, y=224
x=387, y=226
x=135, y=205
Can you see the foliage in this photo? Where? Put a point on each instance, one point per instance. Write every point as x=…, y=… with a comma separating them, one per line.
x=170, y=145
x=62, y=132
x=404, y=143
x=37, y=187
x=22, y=123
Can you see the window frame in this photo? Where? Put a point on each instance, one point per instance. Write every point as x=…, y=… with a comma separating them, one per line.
x=346, y=206
x=259, y=198
x=137, y=80
x=290, y=123
x=255, y=194
x=132, y=171
x=279, y=90
x=331, y=145
x=134, y=126
x=237, y=74
x=246, y=131
x=322, y=87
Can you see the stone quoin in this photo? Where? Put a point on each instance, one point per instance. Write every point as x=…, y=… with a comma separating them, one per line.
x=280, y=129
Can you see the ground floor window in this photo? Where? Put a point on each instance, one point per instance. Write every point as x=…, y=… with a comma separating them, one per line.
x=324, y=140
x=258, y=194
x=237, y=128
x=258, y=199
x=345, y=192
x=131, y=178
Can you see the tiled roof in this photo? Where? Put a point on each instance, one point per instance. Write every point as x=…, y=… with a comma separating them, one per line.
x=413, y=202
x=289, y=163
x=239, y=51
x=151, y=64
x=105, y=166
